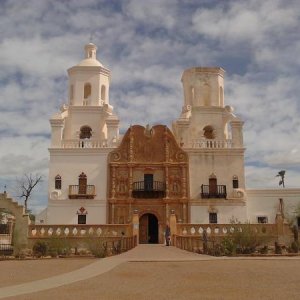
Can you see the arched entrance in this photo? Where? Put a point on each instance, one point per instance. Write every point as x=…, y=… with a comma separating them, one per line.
x=148, y=233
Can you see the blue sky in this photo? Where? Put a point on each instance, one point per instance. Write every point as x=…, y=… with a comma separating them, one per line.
x=147, y=45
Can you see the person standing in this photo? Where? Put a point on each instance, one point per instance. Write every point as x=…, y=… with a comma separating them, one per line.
x=168, y=235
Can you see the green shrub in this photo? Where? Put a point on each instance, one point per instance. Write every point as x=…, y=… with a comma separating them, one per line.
x=98, y=247
x=59, y=246
x=294, y=248
x=278, y=249
x=263, y=250
x=243, y=241
x=229, y=246
x=40, y=248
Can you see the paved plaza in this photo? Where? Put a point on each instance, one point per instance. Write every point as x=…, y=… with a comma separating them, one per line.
x=152, y=272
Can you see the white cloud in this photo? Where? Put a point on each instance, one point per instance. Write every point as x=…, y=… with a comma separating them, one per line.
x=147, y=45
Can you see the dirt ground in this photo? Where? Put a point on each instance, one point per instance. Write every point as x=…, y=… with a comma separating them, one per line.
x=20, y=271
x=224, y=279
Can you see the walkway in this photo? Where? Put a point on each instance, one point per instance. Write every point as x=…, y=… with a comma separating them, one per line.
x=142, y=253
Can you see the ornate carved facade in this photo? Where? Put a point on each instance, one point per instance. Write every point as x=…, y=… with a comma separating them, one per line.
x=148, y=173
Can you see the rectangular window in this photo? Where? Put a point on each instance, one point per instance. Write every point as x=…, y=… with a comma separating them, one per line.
x=81, y=219
x=262, y=219
x=213, y=218
x=58, y=184
x=235, y=183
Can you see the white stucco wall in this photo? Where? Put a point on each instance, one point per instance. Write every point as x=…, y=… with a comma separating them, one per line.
x=224, y=164
x=265, y=202
x=65, y=211
x=200, y=214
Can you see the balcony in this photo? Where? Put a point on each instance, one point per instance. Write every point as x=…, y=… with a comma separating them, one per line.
x=213, y=191
x=82, y=192
x=84, y=143
x=211, y=144
x=143, y=189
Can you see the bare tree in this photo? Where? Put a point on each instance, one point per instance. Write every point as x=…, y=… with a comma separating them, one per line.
x=281, y=175
x=26, y=185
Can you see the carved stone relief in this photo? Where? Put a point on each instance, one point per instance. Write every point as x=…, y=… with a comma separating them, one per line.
x=175, y=182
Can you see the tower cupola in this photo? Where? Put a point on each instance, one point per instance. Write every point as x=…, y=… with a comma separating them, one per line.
x=89, y=80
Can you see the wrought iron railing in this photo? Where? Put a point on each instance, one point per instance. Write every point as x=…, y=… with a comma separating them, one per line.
x=6, y=249
x=82, y=192
x=217, y=191
x=151, y=189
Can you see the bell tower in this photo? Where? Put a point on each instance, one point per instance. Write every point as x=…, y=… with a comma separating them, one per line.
x=203, y=87
x=212, y=135
x=89, y=80
x=204, y=117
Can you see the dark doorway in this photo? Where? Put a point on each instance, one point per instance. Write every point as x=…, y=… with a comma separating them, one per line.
x=298, y=222
x=148, y=229
x=148, y=182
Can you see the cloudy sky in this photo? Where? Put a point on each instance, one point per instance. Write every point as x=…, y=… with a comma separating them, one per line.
x=147, y=45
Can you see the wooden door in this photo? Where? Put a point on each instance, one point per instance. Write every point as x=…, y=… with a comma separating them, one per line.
x=82, y=184
x=143, y=232
x=213, y=188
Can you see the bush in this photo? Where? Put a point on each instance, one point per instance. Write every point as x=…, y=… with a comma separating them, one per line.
x=244, y=241
x=98, y=247
x=263, y=250
x=278, y=249
x=40, y=248
x=58, y=246
x=294, y=248
x=229, y=246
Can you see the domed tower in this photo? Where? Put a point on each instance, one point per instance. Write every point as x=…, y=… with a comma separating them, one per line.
x=213, y=136
x=88, y=114
x=82, y=134
x=89, y=80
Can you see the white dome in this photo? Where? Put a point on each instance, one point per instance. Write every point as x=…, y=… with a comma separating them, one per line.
x=90, y=62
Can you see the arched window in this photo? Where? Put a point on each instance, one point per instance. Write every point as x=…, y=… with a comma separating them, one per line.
x=87, y=90
x=82, y=182
x=57, y=182
x=85, y=132
x=209, y=132
x=235, y=182
x=103, y=92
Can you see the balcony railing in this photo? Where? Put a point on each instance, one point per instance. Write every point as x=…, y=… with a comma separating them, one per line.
x=84, y=143
x=211, y=144
x=144, y=189
x=82, y=192
x=217, y=191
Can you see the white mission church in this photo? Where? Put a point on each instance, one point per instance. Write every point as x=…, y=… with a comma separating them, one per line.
x=194, y=170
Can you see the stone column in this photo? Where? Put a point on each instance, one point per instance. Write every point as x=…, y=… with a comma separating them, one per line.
x=167, y=181
x=113, y=182
x=237, y=134
x=173, y=226
x=184, y=212
x=135, y=224
x=183, y=181
x=130, y=182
